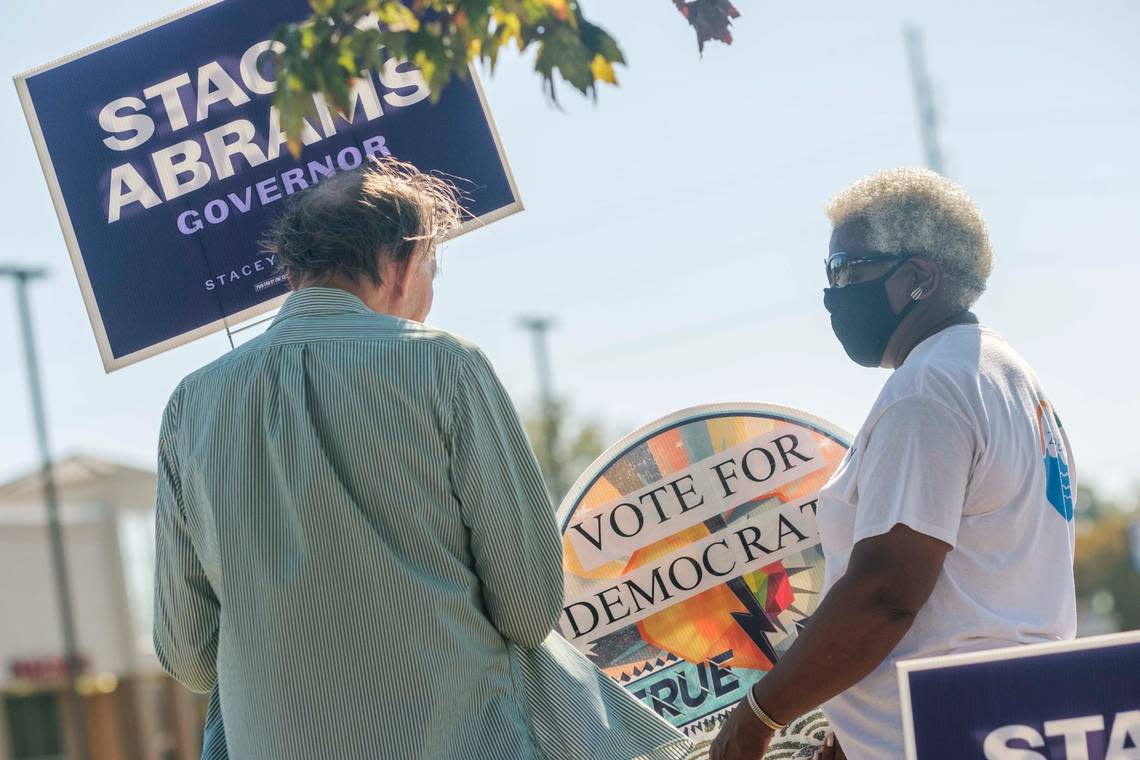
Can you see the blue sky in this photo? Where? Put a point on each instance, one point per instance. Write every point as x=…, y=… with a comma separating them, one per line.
x=675, y=229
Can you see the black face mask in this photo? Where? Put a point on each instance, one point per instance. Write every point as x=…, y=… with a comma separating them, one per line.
x=862, y=319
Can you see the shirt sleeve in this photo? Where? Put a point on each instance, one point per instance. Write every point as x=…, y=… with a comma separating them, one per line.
x=514, y=538
x=186, y=610
x=915, y=471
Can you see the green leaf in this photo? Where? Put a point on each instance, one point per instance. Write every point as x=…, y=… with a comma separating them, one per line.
x=324, y=53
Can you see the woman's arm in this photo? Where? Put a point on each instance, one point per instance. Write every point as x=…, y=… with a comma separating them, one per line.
x=514, y=538
x=186, y=610
x=860, y=621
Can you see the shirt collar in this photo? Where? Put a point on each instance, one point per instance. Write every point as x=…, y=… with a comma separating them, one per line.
x=313, y=301
x=930, y=341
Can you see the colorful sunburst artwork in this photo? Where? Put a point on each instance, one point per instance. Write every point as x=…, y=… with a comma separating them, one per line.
x=692, y=558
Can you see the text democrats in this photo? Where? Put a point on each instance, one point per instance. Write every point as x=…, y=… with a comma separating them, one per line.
x=761, y=538
x=692, y=495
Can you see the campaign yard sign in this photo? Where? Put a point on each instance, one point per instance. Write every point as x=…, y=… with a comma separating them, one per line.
x=692, y=559
x=1072, y=700
x=165, y=160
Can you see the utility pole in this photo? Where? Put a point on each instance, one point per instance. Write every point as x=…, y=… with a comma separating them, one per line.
x=538, y=328
x=22, y=276
x=924, y=98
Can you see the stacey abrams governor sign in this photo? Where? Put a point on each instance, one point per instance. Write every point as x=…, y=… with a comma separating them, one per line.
x=165, y=159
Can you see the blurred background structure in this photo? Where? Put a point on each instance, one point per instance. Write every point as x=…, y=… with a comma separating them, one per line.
x=132, y=708
x=673, y=233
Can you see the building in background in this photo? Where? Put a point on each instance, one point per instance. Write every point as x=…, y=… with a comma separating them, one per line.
x=134, y=710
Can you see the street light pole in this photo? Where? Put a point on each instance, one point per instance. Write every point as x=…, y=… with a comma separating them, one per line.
x=538, y=328
x=924, y=99
x=22, y=276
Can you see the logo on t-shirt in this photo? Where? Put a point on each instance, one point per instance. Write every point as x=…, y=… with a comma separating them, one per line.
x=1058, y=488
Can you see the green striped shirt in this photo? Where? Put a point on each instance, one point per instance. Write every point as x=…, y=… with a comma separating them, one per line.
x=356, y=552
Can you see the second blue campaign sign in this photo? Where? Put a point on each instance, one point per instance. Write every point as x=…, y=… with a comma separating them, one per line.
x=165, y=160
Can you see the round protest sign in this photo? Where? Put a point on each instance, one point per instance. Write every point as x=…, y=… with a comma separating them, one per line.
x=692, y=555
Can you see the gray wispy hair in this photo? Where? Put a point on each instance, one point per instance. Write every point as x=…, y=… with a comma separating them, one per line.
x=912, y=210
x=346, y=223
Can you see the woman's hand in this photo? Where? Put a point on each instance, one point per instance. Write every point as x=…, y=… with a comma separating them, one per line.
x=830, y=749
x=742, y=737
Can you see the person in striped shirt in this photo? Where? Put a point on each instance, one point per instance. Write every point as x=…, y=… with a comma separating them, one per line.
x=356, y=553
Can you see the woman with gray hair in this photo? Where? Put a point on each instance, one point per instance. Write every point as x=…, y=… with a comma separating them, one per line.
x=356, y=552
x=948, y=527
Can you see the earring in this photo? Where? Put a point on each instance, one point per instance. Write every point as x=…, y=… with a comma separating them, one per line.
x=916, y=294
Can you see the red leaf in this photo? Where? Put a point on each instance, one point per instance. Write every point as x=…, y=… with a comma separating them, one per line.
x=710, y=18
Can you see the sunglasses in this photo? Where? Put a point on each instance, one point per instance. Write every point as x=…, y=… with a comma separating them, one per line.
x=840, y=265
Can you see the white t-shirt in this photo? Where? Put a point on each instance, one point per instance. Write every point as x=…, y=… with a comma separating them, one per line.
x=961, y=445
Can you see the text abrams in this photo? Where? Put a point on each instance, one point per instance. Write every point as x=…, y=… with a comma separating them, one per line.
x=219, y=153
x=689, y=496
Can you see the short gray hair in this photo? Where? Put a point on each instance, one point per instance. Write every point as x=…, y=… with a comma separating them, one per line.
x=910, y=210
x=344, y=224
